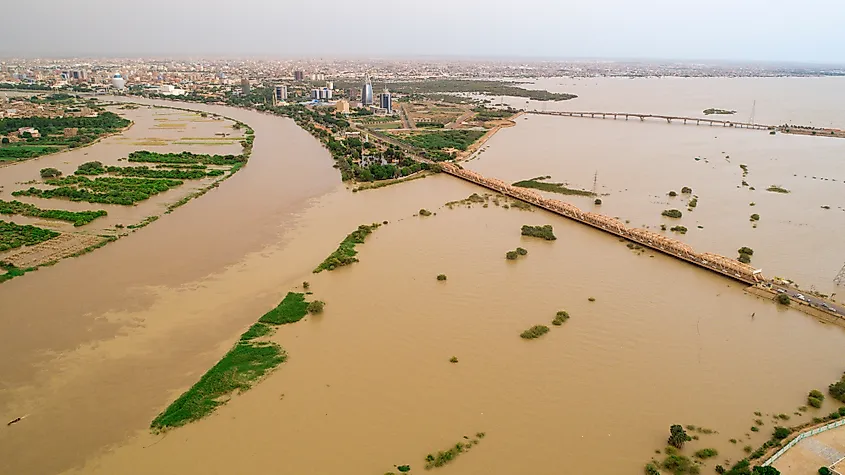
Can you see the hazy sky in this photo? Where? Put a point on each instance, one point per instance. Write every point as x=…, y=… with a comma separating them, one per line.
x=765, y=30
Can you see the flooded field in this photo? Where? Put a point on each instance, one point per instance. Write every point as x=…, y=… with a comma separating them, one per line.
x=368, y=384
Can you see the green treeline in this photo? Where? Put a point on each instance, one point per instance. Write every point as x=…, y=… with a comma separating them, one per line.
x=121, y=191
x=146, y=172
x=13, y=236
x=145, y=156
x=248, y=361
x=78, y=218
x=345, y=253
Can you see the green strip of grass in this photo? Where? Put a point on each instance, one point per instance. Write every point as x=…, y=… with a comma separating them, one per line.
x=291, y=310
x=78, y=218
x=345, y=253
x=247, y=362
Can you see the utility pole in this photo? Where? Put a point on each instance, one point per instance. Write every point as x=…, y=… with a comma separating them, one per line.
x=840, y=277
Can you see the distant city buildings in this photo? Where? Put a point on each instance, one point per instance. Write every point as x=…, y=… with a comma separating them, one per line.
x=367, y=92
x=384, y=101
x=298, y=75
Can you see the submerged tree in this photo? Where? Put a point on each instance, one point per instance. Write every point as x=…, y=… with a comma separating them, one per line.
x=678, y=436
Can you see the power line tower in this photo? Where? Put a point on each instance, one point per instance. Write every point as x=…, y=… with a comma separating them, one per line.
x=840, y=277
x=753, y=111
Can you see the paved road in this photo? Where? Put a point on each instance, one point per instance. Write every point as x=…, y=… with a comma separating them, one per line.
x=814, y=301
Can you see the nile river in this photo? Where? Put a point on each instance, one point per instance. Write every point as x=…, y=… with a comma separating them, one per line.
x=94, y=347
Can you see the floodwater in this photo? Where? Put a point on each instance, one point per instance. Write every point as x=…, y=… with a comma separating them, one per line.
x=634, y=165
x=368, y=384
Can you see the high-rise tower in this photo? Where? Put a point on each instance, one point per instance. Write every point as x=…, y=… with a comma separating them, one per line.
x=367, y=92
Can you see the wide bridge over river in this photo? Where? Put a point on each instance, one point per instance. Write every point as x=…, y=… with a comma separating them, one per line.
x=716, y=263
x=667, y=118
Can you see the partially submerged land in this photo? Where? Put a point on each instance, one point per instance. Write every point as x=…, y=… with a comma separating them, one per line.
x=252, y=357
x=59, y=122
x=95, y=183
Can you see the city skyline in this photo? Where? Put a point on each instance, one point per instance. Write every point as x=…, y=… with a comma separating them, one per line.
x=754, y=31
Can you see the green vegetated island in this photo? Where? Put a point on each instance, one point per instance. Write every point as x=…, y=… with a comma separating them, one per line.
x=544, y=232
x=54, y=134
x=539, y=183
x=252, y=357
x=345, y=253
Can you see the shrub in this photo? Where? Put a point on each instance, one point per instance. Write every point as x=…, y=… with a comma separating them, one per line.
x=677, y=463
x=425, y=212
x=90, y=168
x=814, y=402
x=316, y=307
x=781, y=433
x=837, y=390
x=511, y=255
x=784, y=299
x=706, y=453
x=534, y=332
x=560, y=317
x=441, y=276
x=50, y=173
x=672, y=213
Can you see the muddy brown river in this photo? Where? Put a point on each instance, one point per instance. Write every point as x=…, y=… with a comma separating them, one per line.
x=93, y=348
